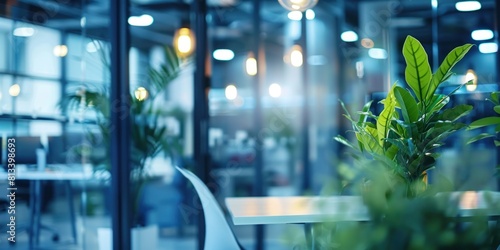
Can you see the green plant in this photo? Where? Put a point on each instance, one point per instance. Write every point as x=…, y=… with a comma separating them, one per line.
x=432, y=221
x=413, y=123
x=488, y=121
x=149, y=133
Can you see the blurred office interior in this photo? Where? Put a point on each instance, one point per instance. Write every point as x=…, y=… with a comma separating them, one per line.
x=253, y=114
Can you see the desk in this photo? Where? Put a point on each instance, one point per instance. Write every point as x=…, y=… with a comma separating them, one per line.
x=35, y=178
x=305, y=210
x=315, y=209
x=295, y=209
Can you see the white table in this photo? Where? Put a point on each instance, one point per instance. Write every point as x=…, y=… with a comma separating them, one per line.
x=35, y=178
x=308, y=210
x=305, y=210
x=295, y=209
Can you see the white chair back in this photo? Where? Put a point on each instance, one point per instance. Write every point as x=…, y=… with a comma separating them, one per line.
x=218, y=234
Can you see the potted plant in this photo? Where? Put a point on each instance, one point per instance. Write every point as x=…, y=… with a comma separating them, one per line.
x=414, y=122
x=149, y=134
x=394, y=151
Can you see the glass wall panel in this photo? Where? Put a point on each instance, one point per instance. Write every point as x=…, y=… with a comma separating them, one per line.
x=161, y=85
x=44, y=45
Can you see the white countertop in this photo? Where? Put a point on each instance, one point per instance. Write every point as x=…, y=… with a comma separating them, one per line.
x=295, y=209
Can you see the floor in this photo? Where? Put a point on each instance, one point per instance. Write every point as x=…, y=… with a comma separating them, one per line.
x=278, y=237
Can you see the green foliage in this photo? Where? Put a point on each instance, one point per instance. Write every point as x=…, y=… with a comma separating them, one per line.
x=488, y=121
x=148, y=132
x=406, y=145
x=430, y=221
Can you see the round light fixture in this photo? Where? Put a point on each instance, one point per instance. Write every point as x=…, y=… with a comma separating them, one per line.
x=251, y=65
x=60, y=50
x=23, y=32
x=223, y=54
x=300, y=5
x=471, y=76
x=482, y=34
x=184, y=42
x=14, y=90
x=295, y=15
x=231, y=92
x=349, y=36
x=275, y=90
x=296, y=56
x=141, y=93
x=142, y=20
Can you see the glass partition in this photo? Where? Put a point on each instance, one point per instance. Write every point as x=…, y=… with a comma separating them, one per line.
x=60, y=203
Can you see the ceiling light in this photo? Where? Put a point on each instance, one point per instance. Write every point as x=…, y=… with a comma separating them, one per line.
x=295, y=15
x=275, y=90
x=141, y=94
x=367, y=43
x=434, y=3
x=14, y=90
x=471, y=76
x=300, y=5
x=184, y=41
x=142, y=20
x=468, y=6
x=310, y=15
x=349, y=36
x=231, y=92
x=251, y=65
x=223, y=54
x=24, y=32
x=296, y=56
x=482, y=34
x=60, y=50
x=488, y=48
x=377, y=53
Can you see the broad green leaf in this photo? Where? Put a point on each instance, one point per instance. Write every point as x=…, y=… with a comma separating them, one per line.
x=442, y=127
x=418, y=72
x=408, y=105
x=362, y=117
x=370, y=143
x=391, y=152
x=344, y=141
x=456, y=112
x=497, y=109
x=384, y=119
x=437, y=103
x=487, y=121
x=497, y=143
x=359, y=138
x=479, y=137
x=444, y=70
x=372, y=131
x=494, y=97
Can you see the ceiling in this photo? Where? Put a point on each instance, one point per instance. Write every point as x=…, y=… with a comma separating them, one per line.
x=232, y=19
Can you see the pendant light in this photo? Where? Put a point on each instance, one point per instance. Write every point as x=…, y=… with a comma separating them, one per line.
x=300, y=5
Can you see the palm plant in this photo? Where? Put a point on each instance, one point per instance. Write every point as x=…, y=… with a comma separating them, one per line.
x=149, y=134
x=414, y=122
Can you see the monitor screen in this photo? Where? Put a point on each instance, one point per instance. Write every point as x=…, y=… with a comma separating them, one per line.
x=65, y=149
x=72, y=148
x=26, y=147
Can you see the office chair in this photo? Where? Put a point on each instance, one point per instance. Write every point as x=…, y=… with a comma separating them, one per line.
x=218, y=234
